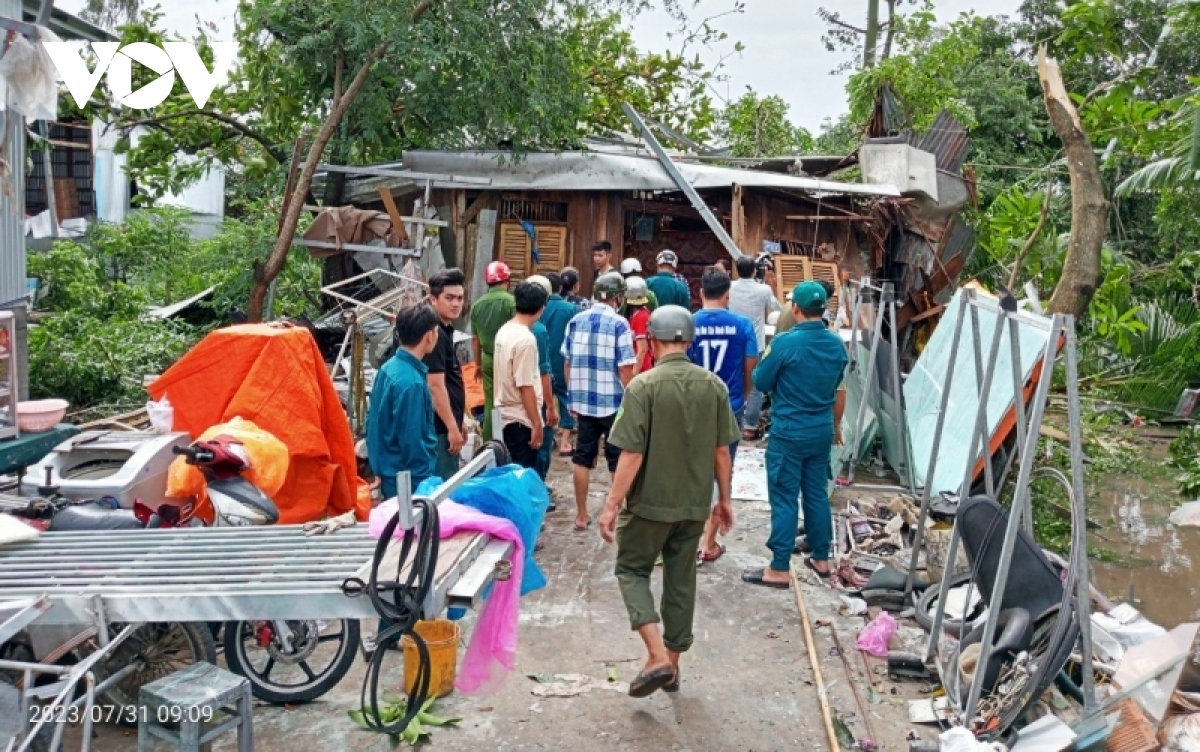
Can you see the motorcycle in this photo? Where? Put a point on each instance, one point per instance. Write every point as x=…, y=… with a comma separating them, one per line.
x=276, y=656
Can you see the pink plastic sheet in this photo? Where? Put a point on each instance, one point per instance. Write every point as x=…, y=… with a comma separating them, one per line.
x=492, y=651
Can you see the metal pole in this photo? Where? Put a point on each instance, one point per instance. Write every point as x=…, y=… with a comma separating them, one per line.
x=981, y=419
x=1020, y=501
x=927, y=493
x=404, y=504
x=1018, y=402
x=889, y=292
x=48, y=168
x=1083, y=577
x=856, y=310
x=952, y=550
x=677, y=177
x=868, y=384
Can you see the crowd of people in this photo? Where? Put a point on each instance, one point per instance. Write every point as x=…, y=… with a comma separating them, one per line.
x=666, y=393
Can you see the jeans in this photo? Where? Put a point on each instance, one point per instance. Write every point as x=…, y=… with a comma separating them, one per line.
x=796, y=467
x=563, y=395
x=753, y=408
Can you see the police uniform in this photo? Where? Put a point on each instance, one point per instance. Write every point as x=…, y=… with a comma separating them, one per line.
x=671, y=497
x=492, y=311
x=802, y=370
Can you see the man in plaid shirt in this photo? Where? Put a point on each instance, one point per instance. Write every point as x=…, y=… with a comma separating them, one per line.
x=598, y=363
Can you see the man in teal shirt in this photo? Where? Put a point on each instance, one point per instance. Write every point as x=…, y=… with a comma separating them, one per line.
x=545, y=368
x=666, y=285
x=802, y=370
x=400, y=432
x=558, y=313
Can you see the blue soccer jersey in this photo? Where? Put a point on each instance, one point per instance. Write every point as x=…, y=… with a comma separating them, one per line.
x=723, y=342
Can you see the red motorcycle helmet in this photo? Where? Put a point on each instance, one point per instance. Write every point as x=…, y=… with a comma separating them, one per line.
x=497, y=272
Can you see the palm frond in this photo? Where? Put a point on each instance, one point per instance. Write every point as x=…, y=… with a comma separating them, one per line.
x=1182, y=165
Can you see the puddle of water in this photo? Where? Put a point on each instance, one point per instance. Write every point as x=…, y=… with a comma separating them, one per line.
x=1156, y=557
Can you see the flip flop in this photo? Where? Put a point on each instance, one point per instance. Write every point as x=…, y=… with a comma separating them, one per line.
x=586, y=525
x=673, y=685
x=755, y=577
x=566, y=452
x=808, y=562
x=649, y=683
x=703, y=557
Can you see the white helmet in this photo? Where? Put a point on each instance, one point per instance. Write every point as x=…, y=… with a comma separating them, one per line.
x=631, y=266
x=636, y=291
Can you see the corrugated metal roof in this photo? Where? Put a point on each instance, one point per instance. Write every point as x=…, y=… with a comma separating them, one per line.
x=610, y=171
x=947, y=140
x=64, y=24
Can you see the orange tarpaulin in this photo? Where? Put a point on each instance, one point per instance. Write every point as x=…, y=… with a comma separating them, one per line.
x=473, y=386
x=274, y=376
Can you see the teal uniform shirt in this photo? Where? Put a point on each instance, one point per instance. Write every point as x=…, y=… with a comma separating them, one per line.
x=802, y=370
x=400, y=433
x=669, y=290
x=557, y=315
x=543, y=343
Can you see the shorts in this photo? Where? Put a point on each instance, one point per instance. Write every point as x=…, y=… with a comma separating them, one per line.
x=587, y=443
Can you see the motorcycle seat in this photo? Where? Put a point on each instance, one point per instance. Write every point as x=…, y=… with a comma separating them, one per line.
x=92, y=516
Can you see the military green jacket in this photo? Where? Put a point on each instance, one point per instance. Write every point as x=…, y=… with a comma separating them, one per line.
x=492, y=311
x=675, y=415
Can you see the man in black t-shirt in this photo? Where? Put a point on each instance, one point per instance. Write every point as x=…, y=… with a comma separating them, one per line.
x=447, y=294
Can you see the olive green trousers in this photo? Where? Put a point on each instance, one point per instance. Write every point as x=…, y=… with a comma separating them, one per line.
x=639, y=542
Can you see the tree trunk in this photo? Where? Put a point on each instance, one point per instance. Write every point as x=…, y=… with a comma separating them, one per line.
x=1089, y=209
x=871, y=41
x=891, y=31
x=264, y=274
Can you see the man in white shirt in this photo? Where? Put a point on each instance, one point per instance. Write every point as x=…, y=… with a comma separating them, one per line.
x=519, y=390
x=754, y=300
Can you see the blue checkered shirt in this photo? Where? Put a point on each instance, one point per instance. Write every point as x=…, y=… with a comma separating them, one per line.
x=598, y=342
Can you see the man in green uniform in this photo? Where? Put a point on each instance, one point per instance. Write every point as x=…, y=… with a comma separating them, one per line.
x=674, y=430
x=802, y=370
x=488, y=314
x=666, y=285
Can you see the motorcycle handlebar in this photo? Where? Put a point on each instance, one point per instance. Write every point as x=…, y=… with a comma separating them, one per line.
x=193, y=454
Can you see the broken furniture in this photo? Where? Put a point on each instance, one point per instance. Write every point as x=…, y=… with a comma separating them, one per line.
x=125, y=465
x=16, y=455
x=192, y=707
x=1024, y=677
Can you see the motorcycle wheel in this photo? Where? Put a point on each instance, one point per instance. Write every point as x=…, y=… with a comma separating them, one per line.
x=160, y=649
x=321, y=656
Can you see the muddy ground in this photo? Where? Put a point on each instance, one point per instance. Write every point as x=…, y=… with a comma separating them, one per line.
x=748, y=683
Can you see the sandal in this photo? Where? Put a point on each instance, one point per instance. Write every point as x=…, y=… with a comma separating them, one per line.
x=586, y=525
x=755, y=577
x=649, y=683
x=704, y=557
x=808, y=562
x=673, y=685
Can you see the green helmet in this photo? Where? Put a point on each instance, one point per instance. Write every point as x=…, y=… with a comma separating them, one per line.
x=672, y=323
x=608, y=286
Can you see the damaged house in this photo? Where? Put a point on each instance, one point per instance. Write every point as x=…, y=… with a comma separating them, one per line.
x=542, y=211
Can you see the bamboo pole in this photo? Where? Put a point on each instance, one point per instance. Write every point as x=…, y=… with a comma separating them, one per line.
x=826, y=713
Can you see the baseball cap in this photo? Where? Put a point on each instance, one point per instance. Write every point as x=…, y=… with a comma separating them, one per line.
x=809, y=295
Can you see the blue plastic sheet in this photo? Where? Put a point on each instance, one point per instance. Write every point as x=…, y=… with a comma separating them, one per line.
x=513, y=493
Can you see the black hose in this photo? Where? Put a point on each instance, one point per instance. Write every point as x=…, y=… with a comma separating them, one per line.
x=400, y=604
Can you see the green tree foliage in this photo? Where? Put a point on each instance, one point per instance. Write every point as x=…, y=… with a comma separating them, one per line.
x=757, y=126
x=96, y=341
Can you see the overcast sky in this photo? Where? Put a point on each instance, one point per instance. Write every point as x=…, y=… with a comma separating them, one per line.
x=783, y=52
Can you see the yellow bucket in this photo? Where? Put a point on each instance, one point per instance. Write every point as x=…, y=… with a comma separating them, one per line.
x=441, y=638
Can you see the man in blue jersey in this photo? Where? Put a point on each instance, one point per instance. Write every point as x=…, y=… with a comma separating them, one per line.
x=726, y=345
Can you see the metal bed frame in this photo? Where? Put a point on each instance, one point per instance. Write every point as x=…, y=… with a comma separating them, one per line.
x=73, y=585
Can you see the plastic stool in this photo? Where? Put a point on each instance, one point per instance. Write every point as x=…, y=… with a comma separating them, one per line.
x=197, y=699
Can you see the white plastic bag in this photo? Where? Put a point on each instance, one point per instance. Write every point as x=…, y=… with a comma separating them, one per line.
x=162, y=415
x=959, y=739
x=31, y=77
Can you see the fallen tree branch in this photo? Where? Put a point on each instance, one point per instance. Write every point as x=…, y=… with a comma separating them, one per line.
x=1089, y=209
